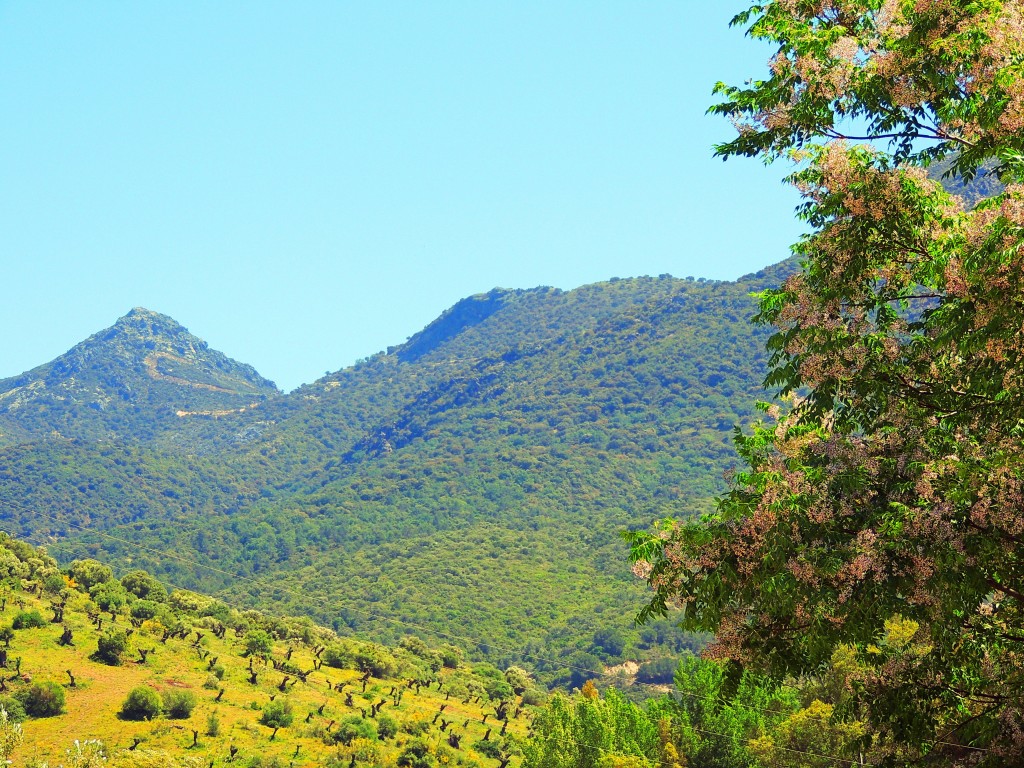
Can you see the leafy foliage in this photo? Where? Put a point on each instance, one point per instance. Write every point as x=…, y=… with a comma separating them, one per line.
x=510, y=441
x=879, y=516
x=141, y=703
x=178, y=705
x=42, y=699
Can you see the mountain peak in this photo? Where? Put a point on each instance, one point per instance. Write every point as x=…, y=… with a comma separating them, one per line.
x=144, y=325
x=145, y=372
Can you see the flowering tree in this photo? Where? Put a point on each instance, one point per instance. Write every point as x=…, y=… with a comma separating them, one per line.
x=887, y=491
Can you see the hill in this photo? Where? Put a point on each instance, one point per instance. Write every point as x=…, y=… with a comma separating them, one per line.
x=181, y=679
x=129, y=382
x=471, y=482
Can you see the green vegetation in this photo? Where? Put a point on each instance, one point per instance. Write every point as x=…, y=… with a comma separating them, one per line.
x=159, y=708
x=142, y=703
x=874, y=534
x=111, y=647
x=178, y=705
x=28, y=620
x=509, y=441
x=45, y=699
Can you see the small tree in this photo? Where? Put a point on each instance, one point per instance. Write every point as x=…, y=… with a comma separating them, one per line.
x=111, y=647
x=178, y=705
x=142, y=703
x=277, y=714
x=258, y=643
x=43, y=699
x=88, y=573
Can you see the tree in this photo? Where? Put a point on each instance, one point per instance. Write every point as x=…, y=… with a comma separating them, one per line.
x=886, y=489
x=109, y=596
x=806, y=739
x=178, y=705
x=88, y=573
x=43, y=699
x=141, y=703
x=144, y=586
x=277, y=714
x=588, y=731
x=110, y=647
x=258, y=643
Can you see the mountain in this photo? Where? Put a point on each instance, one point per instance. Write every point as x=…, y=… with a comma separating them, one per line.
x=470, y=482
x=130, y=382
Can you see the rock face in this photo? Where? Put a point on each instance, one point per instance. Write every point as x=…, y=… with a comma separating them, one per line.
x=137, y=378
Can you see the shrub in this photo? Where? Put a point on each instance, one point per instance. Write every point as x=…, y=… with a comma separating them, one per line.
x=43, y=699
x=657, y=671
x=277, y=714
x=387, y=726
x=111, y=647
x=355, y=727
x=451, y=656
x=15, y=711
x=258, y=643
x=416, y=727
x=178, y=705
x=28, y=620
x=213, y=724
x=337, y=656
x=377, y=662
x=417, y=754
x=534, y=697
x=518, y=678
x=142, y=703
x=144, y=609
x=491, y=749
x=415, y=646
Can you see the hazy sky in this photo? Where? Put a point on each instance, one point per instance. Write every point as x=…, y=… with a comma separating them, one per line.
x=303, y=184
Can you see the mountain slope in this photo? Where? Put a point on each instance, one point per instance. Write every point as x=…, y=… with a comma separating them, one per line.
x=476, y=478
x=130, y=382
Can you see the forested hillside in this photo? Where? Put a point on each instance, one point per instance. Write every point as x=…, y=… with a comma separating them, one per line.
x=130, y=382
x=471, y=481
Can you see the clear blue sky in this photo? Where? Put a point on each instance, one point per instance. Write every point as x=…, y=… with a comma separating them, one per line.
x=305, y=183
